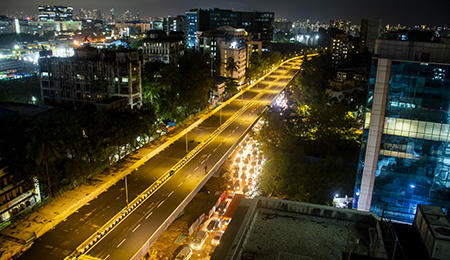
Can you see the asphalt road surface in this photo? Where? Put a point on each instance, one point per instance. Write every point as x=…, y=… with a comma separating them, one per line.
x=132, y=233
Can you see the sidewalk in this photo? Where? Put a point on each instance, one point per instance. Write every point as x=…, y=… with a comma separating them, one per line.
x=13, y=238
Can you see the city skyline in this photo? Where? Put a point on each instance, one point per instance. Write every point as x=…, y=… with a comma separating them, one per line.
x=402, y=12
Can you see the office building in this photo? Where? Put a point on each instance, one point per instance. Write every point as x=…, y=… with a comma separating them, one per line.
x=370, y=32
x=259, y=25
x=405, y=150
x=90, y=76
x=55, y=13
x=158, y=46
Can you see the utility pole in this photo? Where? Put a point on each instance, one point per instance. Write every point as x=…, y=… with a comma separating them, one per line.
x=126, y=190
x=187, y=147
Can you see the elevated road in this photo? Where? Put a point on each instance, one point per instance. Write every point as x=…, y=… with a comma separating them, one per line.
x=131, y=238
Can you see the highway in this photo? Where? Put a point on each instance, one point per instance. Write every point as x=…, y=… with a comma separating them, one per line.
x=130, y=238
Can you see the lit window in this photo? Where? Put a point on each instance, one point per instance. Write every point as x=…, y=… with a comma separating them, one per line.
x=124, y=80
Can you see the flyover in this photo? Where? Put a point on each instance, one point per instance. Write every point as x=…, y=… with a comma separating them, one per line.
x=139, y=227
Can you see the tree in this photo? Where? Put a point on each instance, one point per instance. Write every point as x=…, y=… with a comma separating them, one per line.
x=231, y=66
x=178, y=91
x=43, y=147
x=231, y=87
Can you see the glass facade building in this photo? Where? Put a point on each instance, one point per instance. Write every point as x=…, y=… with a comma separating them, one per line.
x=405, y=152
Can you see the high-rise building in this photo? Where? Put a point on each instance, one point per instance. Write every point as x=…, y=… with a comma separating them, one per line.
x=370, y=32
x=97, y=14
x=158, y=46
x=340, y=48
x=90, y=76
x=259, y=25
x=55, y=13
x=405, y=151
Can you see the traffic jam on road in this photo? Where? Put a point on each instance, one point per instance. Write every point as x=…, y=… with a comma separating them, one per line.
x=244, y=178
x=243, y=182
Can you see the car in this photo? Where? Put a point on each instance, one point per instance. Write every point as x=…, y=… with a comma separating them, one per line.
x=184, y=254
x=230, y=197
x=243, y=177
x=199, y=240
x=235, y=175
x=246, y=161
x=241, y=151
x=213, y=225
x=244, y=168
x=236, y=185
x=222, y=207
x=238, y=159
x=216, y=240
x=236, y=167
x=251, y=171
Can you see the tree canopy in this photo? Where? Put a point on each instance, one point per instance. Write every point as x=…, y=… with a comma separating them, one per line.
x=178, y=91
x=311, y=145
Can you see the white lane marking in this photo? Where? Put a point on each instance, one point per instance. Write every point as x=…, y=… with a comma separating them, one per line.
x=107, y=257
x=215, y=149
x=136, y=228
x=121, y=242
x=237, y=127
x=196, y=168
x=220, y=144
x=188, y=175
x=149, y=215
x=232, y=131
x=160, y=203
x=207, y=157
x=180, y=184
x=170, y=193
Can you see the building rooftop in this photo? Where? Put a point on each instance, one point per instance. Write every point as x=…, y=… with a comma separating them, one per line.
x=26, y=110
x=420, y=51
x=265, y=228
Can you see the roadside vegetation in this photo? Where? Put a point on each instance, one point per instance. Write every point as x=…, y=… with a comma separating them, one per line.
x=312, y=144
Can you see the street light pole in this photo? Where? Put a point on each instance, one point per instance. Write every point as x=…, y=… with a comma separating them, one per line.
x=187, y=148
x=126, y=190
x=220, y=116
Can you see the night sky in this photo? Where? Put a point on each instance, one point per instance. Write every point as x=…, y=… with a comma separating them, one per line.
x=405, y=12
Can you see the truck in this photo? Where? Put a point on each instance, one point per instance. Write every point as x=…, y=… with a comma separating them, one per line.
x=226, y=218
